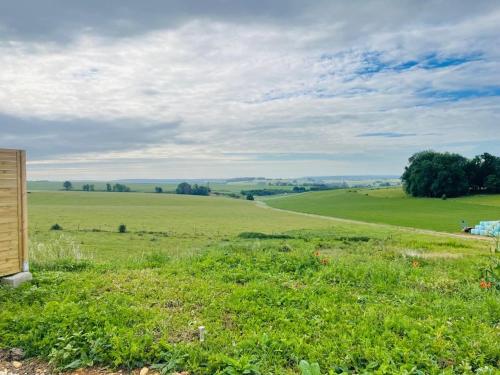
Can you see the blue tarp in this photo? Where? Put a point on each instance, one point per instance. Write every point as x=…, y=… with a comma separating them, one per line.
x=487, y=228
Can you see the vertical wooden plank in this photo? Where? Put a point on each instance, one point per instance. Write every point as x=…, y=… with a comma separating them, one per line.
x=19, y=211
x=23, y=241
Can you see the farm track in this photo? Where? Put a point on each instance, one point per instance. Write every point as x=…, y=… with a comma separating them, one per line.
x=262, y=204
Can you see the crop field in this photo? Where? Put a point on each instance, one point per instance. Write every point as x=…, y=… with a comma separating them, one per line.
x=392, y=206
x=271, y=289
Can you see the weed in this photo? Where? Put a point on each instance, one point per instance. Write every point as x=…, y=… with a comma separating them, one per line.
x=263, y=236
x=62, y=254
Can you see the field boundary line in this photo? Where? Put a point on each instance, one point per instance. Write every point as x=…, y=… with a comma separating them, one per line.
x=263, y=204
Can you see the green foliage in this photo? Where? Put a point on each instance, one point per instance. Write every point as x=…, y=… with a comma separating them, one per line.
x=492, y=183
x=309, y=369
x=56, y=227
x=158, y=189
x=484, y=173
x=120, y=188
x=122, y=228
x=263, y=236
x=67, y=185
x=109, y=188
x=434, y=174
x=200, y=190
x=183, y=188
x=250, y=197
x=60, y=254
x=264, y=192
x=88, y=187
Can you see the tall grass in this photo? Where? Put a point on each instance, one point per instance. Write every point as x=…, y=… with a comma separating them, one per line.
x=60, y=254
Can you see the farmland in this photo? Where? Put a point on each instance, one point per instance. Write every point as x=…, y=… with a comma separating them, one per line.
x=392, y=206
x=350, y=297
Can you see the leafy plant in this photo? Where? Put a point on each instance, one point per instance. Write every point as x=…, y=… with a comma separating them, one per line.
x=56, y=227
x=307, y=368
x=122, y=228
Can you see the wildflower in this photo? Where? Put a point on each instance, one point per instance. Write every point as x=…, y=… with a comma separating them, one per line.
x=485, y=284
x=325, y=261
x=415, y=264
x=316, y=253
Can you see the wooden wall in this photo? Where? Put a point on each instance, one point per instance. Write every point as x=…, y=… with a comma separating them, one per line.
x=13, y=212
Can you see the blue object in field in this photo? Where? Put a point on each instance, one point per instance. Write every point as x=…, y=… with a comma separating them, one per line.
x=487, y=228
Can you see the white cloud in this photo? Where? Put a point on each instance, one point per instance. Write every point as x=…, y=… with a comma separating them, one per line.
x=258, y=88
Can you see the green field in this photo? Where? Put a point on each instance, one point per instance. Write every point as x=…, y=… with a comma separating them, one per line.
x=354, y=298
x=177, y=224
x=392, y=206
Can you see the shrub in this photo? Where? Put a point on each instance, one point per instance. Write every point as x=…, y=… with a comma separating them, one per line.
x=444, y=197
x=250, y=197
x=122, y=228
x=56, y=227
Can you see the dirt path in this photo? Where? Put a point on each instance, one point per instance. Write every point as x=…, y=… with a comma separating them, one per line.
x=263, y=204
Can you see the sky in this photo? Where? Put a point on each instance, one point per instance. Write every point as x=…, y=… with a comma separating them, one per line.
x=225, y=88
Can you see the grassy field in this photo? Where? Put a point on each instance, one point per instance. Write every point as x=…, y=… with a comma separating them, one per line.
x=355, y=299
x=178, y=224
x=392, y=206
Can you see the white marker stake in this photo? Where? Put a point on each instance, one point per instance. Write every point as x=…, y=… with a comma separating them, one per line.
x=201, y=329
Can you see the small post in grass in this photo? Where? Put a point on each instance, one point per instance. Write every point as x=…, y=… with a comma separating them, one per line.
x=202, y=332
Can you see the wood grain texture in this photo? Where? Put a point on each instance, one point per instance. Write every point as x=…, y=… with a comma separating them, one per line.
x=13, y=219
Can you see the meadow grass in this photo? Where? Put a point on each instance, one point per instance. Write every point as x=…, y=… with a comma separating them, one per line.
x=355, y=299
x=392, y=206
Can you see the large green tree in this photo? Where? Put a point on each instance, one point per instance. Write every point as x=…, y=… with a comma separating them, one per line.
x=484, y=173
x=183, y=188
x=434, y=174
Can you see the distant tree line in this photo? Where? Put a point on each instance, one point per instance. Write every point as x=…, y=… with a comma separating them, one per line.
x=264, y=192
x=185, y=188
x=435, y=174
x=120, y=188
x=88, y=187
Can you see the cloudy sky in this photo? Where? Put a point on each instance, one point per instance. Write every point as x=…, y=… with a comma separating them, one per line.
x=223, y=88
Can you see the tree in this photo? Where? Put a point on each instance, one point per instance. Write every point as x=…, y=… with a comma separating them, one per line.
x=158, y=189
x=121, y=188
x=109, y=187
x=200, y=190
x=183, y=188
x=299, y=189
x=492, y=183
x=250, y=197
x=86, y=187
x=433, y=174
x=67, y=185
x=483, y=170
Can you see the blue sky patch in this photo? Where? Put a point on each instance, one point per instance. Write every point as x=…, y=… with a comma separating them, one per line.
x=460, y=94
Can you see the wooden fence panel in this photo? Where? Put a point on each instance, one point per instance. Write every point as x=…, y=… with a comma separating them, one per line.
x=13, y=212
